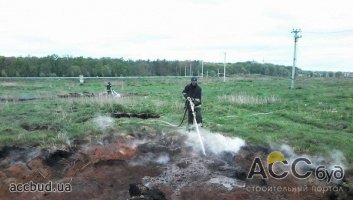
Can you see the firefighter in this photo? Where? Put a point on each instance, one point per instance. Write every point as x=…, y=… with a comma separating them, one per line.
x=109, y=88
x=193, y=92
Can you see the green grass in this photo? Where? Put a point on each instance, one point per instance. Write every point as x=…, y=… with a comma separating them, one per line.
x=316, y=118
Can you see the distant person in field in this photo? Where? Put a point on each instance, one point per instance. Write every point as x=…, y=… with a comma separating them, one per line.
x=109, y=88
x=193, y=92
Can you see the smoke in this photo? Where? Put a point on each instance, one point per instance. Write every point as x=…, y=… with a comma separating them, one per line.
x=288, y=151
x=162, y=159
x=228, y=183
x=214, y=142
x=150, y=158
x=334, y=157
x=103, y=122
x=338, y=158
x=329, y=161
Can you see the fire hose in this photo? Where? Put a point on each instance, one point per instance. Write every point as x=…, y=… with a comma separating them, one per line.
x=186, y=109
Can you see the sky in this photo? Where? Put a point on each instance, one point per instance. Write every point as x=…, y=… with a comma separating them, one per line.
x=251, y=30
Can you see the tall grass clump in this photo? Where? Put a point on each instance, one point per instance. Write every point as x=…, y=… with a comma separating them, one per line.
x=246, y=99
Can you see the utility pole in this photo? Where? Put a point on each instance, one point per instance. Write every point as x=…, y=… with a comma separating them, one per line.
x=224, y=67
x=202, y=68
x=190, y=70
x=296, y=37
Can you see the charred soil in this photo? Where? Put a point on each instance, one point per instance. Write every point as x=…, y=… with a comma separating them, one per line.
x=147, y=166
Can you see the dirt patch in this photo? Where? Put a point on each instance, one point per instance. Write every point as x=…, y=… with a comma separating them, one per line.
x=34, y=127
x=149, y=166
x=138, y=190
x=56, y=156
x=14, y=99
x=134, y=94
x=137, y=115
x=76, y=94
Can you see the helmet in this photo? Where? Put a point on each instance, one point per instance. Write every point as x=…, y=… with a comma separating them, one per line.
x=193, y=78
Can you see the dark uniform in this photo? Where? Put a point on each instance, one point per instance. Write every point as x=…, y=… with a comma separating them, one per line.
x=109, y=88
x=194, y=91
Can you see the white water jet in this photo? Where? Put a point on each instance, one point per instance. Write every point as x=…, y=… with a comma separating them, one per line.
x=197, y=127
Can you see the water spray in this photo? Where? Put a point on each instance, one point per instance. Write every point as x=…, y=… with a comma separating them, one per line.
x=116, y=94
x=197, y=127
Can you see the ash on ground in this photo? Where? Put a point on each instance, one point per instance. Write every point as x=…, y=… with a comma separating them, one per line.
x=149, y=164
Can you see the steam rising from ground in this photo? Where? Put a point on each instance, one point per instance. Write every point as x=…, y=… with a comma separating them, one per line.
x=335, y=157
x=330, y=161
x=103, y=122
x=162, y=159
x=214, y=142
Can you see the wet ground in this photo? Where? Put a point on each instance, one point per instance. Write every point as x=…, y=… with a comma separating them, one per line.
x=152, y=165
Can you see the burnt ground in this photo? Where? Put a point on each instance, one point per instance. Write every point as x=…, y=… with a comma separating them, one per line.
x=150, y=166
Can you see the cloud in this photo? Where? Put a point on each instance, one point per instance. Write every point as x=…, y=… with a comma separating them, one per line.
x=159, y=29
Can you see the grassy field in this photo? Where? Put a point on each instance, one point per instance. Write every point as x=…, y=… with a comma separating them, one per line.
x=315, y=118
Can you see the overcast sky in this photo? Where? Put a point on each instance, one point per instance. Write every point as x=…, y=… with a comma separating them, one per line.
x=258, y=30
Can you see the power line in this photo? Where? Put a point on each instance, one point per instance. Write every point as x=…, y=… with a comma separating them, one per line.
x=330, y=32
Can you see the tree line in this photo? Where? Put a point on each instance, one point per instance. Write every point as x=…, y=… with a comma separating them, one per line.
x=67, y=66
